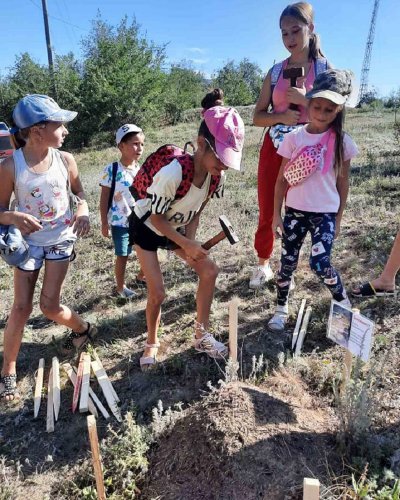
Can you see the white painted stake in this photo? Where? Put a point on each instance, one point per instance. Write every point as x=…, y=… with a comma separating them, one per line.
x=50, y=407
x=77, y=388
x=105, y=387
x=96, y=458
x=38, y=388
x=96, y=358
x=298, y=323
x=233, y=328
x=303, y=331
x=310, y=489
x=56, y=387
x=84, y=400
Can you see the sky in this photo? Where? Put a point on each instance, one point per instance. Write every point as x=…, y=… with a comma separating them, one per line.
x=211, y=32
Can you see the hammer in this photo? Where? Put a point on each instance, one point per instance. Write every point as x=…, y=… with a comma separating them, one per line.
x=227, y=232
x=293, y=74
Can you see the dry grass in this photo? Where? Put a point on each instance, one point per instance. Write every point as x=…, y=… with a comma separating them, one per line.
x=370, y=223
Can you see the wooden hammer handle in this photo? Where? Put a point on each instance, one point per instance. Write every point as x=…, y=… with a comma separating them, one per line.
x=216, y=239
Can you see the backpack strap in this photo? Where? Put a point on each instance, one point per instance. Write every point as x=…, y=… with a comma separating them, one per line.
x=275, y=73
x=320, y=65
x=112, y=187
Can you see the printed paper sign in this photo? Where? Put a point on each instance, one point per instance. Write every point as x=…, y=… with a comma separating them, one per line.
x=350, y=330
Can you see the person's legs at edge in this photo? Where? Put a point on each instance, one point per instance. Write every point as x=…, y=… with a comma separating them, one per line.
x=387, y=279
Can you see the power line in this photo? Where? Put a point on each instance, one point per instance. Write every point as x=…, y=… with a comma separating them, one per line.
x=59, y=18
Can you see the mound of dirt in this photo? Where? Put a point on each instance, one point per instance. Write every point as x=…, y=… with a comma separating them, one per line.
x=245, y=442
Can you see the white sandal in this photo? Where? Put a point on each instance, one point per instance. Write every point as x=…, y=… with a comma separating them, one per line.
x=278, y=321
x=147, y=362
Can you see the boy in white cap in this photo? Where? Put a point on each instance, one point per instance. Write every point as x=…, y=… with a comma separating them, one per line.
x=116, y=200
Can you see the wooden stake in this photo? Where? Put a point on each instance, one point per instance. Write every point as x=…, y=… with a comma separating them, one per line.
x=56, y=387
x=84, y=400
x=96, y=358
x=96, y=458
x=50, y=407
x=105, y=387
x=233, y=328
x=310, y=489
x=38, y=388
x=72, y=376
x=298, y=323
x=303, y=331
x=77, y=388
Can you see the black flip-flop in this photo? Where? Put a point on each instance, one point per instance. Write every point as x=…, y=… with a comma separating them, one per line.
x=368, y=290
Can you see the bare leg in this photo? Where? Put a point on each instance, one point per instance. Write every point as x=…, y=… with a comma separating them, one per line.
x=50, y=306
x=207, y=271
x=24, y=286
x=387, y=278
x=120, y=267
x=155, y=294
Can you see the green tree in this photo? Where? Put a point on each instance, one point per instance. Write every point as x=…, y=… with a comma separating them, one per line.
x=25, y=77
x=122, y=79
x=240, y=82
x=185, y=88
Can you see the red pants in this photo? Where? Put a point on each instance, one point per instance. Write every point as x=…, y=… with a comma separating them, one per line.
x=268, y=168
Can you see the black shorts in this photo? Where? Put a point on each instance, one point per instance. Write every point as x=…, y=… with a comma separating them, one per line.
x=146, y=238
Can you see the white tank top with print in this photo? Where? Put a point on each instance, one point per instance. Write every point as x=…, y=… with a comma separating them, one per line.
x=44, y=195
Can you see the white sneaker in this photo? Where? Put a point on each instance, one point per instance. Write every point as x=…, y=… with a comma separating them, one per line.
x=260, y=276
x=278, y=321
x=208, y=344
x=127, y=293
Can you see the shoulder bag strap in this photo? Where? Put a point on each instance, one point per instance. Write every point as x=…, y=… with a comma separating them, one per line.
x=112, y=187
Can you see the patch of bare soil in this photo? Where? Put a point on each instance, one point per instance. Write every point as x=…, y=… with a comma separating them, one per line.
x=245, y=442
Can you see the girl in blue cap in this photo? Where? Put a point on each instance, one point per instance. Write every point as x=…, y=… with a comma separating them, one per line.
x=41, y=178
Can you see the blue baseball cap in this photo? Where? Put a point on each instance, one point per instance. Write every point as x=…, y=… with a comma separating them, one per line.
x=14, y=250
x=36, y=108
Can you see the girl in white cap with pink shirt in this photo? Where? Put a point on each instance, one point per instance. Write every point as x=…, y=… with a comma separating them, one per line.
x=313, y=181
x=161, y=220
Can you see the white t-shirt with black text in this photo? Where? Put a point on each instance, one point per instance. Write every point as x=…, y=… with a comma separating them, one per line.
x=163, y=189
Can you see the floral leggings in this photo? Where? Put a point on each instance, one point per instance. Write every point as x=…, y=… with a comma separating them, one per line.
x=297, y=224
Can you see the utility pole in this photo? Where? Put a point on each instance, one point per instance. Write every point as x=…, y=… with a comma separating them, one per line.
x=49, y=50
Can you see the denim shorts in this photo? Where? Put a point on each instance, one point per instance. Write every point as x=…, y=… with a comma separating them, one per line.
x=63, y=251
x=120, y=236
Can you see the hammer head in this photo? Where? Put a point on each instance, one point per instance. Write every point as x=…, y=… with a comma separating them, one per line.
x=228, y=230
x=293, y=74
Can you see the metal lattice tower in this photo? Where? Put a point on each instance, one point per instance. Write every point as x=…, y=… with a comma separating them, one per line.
x=367, y=56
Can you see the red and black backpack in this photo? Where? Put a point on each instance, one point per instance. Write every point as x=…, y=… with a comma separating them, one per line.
x=160, y=158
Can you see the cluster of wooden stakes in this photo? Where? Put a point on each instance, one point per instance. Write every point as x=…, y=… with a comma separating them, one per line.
x=83, y=397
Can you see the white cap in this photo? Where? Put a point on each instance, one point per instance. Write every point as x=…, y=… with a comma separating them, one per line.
x=126, y=129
